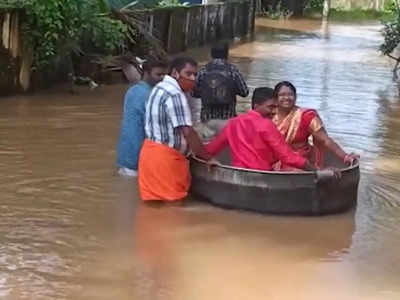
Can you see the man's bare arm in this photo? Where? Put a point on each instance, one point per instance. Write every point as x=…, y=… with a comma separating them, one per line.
x=195, y=143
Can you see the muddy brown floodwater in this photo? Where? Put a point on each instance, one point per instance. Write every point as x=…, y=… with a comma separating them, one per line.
x=71, y=229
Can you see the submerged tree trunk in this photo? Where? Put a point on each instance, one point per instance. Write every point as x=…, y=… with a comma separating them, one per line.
x=326, y=9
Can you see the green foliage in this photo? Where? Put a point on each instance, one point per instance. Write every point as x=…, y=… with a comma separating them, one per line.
x=313, y=9
x=391, y=33
x=315, y=5
x=390, y=11
x=171, y=3
x=390, y=6
x=59, y=28
x=279, y=11
x=354, y=15
x=12, y=4
x=106, y=34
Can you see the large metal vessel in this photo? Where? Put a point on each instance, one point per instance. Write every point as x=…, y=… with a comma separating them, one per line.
x=303, y=193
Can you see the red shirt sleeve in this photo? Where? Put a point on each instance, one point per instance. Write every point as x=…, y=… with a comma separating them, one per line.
x=282, y=150
x=218, y=143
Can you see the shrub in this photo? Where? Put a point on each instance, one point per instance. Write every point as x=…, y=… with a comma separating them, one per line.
x=60, y=27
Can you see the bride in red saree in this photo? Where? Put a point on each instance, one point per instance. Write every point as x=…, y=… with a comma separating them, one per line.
x=303, y=129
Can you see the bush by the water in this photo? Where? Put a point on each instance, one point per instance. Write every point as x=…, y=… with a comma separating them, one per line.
x=356, y=14
x=391, y=31
x=315, y=5
x=391, y=35
x=314, y=8
x=59, y=28
x=62, y=27
x=277, y=11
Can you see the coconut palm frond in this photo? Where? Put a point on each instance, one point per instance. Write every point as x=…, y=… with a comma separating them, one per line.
x=130, y=5
x=135, y=19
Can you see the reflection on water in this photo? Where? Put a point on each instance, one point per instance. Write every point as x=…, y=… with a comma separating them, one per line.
x=71, y=229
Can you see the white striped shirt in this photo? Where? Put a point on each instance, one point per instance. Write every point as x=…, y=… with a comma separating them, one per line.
x=166, y=110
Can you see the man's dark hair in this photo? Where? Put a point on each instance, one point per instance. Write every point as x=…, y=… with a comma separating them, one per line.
x=151, y=63
x=220, y=50
x=261, y=94
x=180, y=62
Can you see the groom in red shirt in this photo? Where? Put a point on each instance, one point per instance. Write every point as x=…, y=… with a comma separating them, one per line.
x=253, y=139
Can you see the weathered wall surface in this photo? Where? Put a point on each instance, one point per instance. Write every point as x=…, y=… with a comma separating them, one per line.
x=10, y=56
x=187, y=27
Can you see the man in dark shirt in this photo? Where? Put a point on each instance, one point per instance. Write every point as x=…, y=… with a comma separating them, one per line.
x=217, y=84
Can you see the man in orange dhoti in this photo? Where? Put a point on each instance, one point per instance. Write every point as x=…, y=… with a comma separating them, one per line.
x=163, y=168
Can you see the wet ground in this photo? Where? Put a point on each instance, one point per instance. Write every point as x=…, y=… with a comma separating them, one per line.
x=71, y=229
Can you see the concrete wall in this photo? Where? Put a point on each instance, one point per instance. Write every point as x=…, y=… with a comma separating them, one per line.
x=187, y=27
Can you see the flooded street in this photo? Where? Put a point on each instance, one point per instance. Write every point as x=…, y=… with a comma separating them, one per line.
x=71, y=229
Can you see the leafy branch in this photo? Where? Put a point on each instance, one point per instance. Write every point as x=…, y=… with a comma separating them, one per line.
x=391, y=35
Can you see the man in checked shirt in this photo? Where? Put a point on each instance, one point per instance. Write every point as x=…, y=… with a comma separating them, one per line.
x=217, y=84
